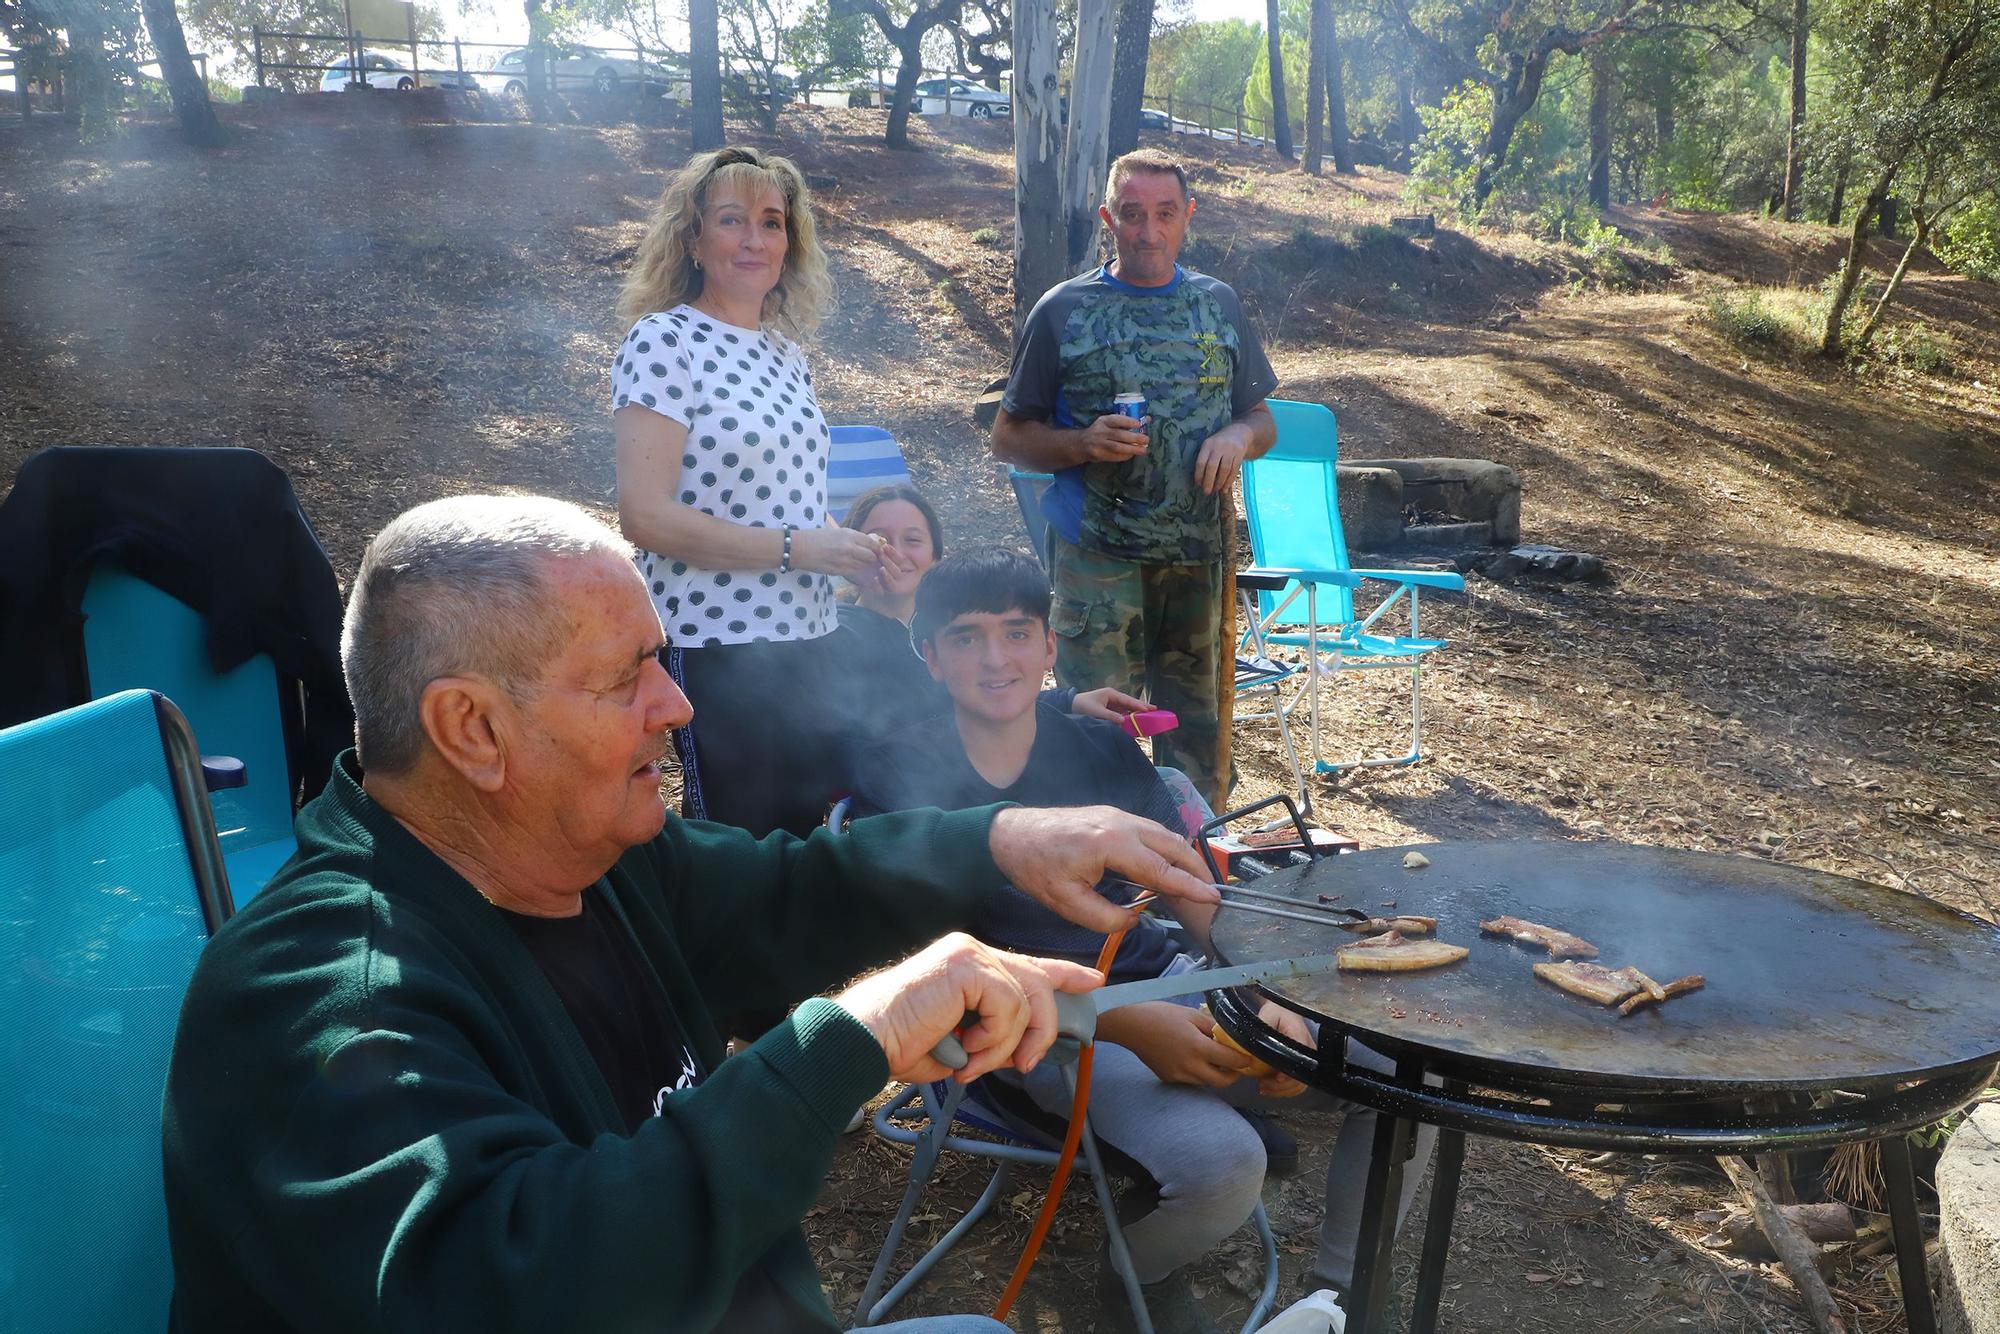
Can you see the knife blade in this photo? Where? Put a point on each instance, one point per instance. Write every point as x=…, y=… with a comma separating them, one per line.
x=1077, y=1011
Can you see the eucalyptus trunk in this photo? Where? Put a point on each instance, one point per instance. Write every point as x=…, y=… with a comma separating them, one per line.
x=1341, y=142
x=1795, y=132
x=1130, y=50
x=1039, y=240
x=1316, y=34
x=1281, y=125
x=1085, y=151
x=184, y=84
x=704, y=75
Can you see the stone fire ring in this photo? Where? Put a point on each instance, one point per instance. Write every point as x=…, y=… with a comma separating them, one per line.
x=1968, y=1182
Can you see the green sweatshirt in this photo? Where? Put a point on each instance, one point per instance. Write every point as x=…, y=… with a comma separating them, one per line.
x=380, y=1117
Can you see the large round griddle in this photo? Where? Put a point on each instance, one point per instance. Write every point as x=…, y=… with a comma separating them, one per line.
x=1814, y=980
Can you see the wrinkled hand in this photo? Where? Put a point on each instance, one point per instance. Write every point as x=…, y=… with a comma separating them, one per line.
x=1221, y=456
x=1056, y=857
x=1289, y=1024
x=1106, y=703
x=1174, y=1042
x=1113, y=438
x=910, y=1005
x=844, y=551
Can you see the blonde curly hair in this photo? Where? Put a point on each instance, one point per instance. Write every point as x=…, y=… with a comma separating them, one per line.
x=663, y=273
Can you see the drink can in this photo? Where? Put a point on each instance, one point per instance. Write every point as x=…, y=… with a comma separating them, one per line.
x=1130, y=405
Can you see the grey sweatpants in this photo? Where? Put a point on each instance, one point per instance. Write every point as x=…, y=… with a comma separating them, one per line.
x=1208, y=1163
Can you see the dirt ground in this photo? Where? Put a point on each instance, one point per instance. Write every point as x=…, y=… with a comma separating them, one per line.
x=1792, y=660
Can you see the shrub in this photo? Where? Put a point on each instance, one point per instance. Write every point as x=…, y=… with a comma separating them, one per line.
x=1970, y=240
x=1745, y=316
x=1914, y=346
x=987, y=236
x=1787, y=318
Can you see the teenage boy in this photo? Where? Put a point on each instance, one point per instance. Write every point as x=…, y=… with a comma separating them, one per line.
x=1164, y=1092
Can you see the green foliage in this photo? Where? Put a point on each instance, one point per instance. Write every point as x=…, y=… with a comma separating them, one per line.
x=1914, y=346
x=1746, y=316
x=1257, y=87
x=988, y=236
x=1204, y=65
x=1969, y=240
x=1788, y=319
x=1446, y=157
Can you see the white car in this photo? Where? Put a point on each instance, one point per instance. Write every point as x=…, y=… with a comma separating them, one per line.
x=385, y=71
x=964, y=99
x=576, y=69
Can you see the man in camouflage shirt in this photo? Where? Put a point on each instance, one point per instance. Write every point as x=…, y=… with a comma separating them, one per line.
x=1136, y=512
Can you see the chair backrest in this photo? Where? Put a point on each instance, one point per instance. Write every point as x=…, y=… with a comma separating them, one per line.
x=103, y=825
x=862, y=458
x=1029, y=488
x=1291, y=498
x=137, y=637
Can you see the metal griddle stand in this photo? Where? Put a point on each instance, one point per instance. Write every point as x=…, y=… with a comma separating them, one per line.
x=1463, y=1095
x=1470, y=1102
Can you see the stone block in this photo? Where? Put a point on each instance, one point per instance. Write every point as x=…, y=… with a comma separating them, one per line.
x=1473, y=489
x=1371, y=506
x=1968, y=1183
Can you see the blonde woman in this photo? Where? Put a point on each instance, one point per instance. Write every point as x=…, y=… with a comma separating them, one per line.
x=722, y=455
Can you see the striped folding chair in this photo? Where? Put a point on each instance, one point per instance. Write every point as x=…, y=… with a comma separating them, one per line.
x=863, y=458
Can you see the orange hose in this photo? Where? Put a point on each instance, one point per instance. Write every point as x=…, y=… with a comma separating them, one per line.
x=1071, y=1139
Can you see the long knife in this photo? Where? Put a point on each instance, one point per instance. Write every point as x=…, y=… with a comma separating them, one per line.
x=1077, y=1011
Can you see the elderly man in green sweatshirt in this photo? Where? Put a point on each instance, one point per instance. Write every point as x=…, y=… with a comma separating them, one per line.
x=460, y=1065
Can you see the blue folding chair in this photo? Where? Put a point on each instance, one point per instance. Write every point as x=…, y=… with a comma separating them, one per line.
x=137, y=637
x=862, y=458
x=110, y=883
x=1305, y=584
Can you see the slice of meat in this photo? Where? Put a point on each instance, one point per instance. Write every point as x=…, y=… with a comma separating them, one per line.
x=1680, y=986
x=1393, y=952
x=1408, y=926
x=1559, y=944
x=1593, y=982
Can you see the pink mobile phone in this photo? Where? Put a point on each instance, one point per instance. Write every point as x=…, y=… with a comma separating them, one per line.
x=1149, y=722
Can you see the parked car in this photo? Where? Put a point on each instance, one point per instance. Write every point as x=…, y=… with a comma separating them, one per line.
x=385, y=71
x=575, y=69
x=963, y=98
x=1152, y=118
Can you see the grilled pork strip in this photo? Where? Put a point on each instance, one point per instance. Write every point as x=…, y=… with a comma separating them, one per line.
x=1680, y=986
x=1408, y=926
x=1593, y=982
x=1559, y=944
x=1393, y=952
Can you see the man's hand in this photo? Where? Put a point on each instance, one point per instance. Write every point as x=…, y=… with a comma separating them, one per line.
x=1222, y=455
x=1106, y=703
x=1174, y=1042
x=1056, y=857
x=1112, y=438
x=910, y=1005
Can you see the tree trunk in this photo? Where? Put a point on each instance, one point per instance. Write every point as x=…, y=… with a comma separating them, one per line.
x=198, y=123
x=1039, y=241
x=1408, y=128
x=908, y=68
x=1316, y=26
x=1512, y=100
x=1601, y=74
x=1918, y=240
x=1837, y=205
x=535, y=69
x=1663, y=111
x=1339, y=141
x=1084, y=155
x=1795, y=148
x=1281, y=122
x=705, y=75
x=1128, y=73
x=1857, y=259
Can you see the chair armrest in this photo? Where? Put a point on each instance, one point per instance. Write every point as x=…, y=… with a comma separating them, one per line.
x=1266, y=581
x=1422, y=578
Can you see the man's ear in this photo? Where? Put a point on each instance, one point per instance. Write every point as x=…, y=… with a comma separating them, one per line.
x=1049, y=660
x=1190, y=211
x=1105, y=213
x=458, y=714
x=929, y=650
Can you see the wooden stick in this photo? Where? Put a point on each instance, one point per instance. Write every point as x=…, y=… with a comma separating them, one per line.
x=1793, y=1249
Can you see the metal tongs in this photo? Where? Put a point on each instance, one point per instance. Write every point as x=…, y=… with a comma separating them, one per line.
x=1076, y=1014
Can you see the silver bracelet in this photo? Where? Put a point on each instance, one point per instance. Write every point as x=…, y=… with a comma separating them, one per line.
x=785, y=556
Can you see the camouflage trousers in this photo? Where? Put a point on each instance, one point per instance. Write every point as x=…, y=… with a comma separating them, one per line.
x=1149, y=630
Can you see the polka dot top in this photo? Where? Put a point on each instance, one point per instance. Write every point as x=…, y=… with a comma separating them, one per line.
x=756, y=454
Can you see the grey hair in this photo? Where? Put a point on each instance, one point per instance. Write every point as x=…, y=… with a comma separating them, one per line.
x=456, y=587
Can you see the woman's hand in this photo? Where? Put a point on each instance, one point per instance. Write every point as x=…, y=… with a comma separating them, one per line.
x=1106, y=703
x=843, y=551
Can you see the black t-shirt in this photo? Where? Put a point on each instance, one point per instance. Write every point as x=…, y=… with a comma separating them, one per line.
x=628, y=1024
x=1073, y=762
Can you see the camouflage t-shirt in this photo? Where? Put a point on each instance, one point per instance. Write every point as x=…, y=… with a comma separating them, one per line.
x=1188, y=349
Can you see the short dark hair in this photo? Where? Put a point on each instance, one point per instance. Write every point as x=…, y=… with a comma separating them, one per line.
x=1142, y=159
x=995, y=580
x=865, y=504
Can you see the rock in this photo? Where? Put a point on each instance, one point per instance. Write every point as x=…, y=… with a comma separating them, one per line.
x=1534, y=560
x=1968, y=1183
x=1415, y=861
